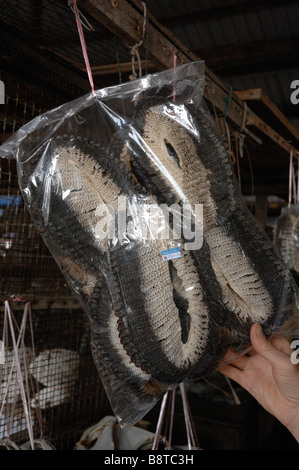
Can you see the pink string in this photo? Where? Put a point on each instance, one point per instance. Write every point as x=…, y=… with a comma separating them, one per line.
x=38, y=409
x=187, y=415
x=16, y=362
x=160, y=423
x=83, y=45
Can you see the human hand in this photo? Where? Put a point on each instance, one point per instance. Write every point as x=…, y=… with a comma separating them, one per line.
x=268, y=374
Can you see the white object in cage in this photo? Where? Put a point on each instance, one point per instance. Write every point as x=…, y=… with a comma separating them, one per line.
x=107, y=435
x=39, y=444
x=55, y=367
x=49, y=397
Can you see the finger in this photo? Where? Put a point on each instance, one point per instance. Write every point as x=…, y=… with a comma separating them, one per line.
x=238, y=359
x=233, y=373
x=251, y=352
x=230, y=356
x=240, y=362
x=265, y=348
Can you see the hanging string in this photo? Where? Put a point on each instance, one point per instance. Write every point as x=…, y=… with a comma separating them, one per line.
x=83, y=20
x=118, y=60
x=245, y=111
x=188, y=423
x=8, y=377
x=238, y=158
x=290, y=178
x=227, y=102
x=172, y=403
x=20, y=357
x=227, y=137
x=37, y=406
x=160, y=423
x=251, y=175
x=4, y=389
x=213, y=105
x=297, y=177
x=174, y=66
x=135, y=48
x=73, y=5
x=146, y=46
x=241, y=138
x=190, y=428
x=294, y=185
x=16, y=361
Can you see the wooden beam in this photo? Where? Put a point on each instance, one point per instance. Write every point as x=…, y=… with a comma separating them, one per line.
x=258, y=94
x=78, y=65
x=272, y=134
x=126, y=22
x=258, y=68
x=125, y=19
x=230, y=58
x=229, y=10
x=115, y=68
x=26, y=49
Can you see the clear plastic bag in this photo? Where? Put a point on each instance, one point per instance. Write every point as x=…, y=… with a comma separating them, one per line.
x=136, y=198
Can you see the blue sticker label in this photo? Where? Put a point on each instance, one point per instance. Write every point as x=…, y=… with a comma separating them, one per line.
x=171, y=254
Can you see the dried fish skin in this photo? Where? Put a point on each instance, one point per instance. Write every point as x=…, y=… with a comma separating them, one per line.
x=255, y=284
x=154, y=323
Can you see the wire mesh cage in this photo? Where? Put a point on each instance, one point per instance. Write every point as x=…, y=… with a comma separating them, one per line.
x=26, y=264
x=64, y=391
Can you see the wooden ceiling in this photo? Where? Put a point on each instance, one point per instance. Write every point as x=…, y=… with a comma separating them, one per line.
x=41, y=51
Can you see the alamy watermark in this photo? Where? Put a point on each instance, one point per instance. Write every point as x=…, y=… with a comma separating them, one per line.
x=295, y=94
x=133, y=221
x=2, y=92
x=295, y=353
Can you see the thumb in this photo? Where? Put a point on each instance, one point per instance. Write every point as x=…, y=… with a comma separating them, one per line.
x=265, y=348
